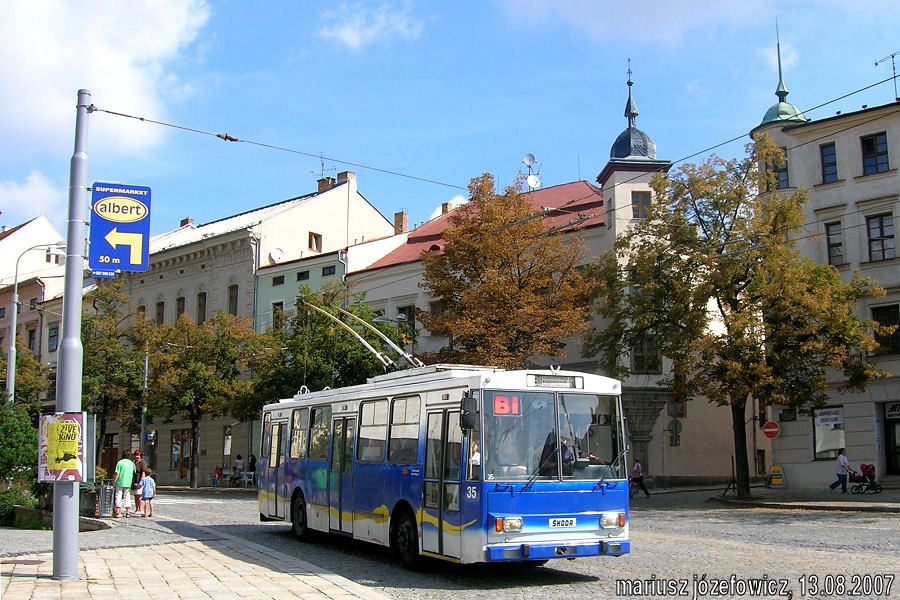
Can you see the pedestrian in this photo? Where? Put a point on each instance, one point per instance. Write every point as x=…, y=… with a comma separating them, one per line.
x=139, y=467
x=842, y=468
x=148, y=492
x=637, y=476
x=124, y=477
x=238, y=470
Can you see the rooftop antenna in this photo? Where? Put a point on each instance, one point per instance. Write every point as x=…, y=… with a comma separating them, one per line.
x=532, y=178
x=893, y=71
x=322, y=166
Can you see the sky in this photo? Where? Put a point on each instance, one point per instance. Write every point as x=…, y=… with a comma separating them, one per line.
x=415, y=97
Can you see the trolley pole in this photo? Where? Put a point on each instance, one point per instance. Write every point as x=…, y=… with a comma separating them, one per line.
x=71, y=351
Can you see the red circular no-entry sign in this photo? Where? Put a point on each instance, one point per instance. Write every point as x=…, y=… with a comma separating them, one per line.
x=771, y=429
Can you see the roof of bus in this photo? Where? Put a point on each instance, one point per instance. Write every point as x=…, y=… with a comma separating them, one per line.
x=442, y=373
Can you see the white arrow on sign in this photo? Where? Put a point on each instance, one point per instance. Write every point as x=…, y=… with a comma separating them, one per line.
x=133, y=240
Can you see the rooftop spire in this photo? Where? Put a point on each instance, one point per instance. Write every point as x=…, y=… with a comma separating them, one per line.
x=631, y=110
x=781, y=91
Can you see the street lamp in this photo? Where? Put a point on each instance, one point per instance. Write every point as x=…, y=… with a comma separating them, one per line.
x=58, y=249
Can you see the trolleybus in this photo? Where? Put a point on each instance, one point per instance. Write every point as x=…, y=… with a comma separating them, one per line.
x=463, y=463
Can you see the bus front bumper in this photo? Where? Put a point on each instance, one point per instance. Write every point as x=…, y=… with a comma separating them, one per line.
x=545, y=551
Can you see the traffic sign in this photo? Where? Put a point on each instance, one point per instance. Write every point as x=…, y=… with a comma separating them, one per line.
x=120, y=229
x=771, y=429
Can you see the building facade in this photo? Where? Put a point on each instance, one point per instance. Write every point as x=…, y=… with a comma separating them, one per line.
x=847, y=162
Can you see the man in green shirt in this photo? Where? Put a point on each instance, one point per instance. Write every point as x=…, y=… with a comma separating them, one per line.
x=124, y=477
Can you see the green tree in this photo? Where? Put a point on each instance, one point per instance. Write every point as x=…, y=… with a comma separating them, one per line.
x=310, y=350
x=18, y=445
x=714, y=281
x=198, y=371
x=507, y=288
x=32, y=380
x=113, y=364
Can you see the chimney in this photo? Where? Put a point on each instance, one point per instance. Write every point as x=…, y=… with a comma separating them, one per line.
x=445, y=208
x=346, y=176
x=187, y=221
x=325, y=184
x=401, y=222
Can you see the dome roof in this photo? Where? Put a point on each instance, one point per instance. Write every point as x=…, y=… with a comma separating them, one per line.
x=633, y=143
x=782, y=110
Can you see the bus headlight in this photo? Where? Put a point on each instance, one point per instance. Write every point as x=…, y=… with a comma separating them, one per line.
x=507, y=524
x=612, y=520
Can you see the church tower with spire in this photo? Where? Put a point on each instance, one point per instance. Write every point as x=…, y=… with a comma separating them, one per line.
x=626, y=177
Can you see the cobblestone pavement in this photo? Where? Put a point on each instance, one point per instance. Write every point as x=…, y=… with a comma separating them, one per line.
x=689, y=540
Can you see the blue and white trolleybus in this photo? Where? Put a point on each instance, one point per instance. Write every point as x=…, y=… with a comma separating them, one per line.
x=457, y=462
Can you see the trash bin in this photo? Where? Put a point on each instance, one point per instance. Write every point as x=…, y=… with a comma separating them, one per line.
x=107, y=496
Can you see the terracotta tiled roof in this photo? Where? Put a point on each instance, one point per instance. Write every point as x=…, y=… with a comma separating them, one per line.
x=572, y=206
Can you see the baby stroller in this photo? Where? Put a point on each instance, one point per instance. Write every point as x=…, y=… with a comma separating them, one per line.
x=864, y=482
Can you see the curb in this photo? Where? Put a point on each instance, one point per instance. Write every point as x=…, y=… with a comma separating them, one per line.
x=787, y=505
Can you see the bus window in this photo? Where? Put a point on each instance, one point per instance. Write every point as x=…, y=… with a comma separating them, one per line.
x=266, y=436
x=320, y=431
x=372, y=431
x=299, y=428
x=404, y=431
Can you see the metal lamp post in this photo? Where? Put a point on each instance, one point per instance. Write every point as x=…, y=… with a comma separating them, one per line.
x=57, y=249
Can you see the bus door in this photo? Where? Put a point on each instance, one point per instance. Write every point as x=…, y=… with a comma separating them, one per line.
x=443, y=475
x=275, y=475
x=340, y=481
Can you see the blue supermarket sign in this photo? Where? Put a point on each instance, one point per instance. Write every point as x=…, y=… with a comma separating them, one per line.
x=120, y=229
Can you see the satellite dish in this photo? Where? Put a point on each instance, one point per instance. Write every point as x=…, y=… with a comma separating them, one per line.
x=533, y=181
x=529, y=159
x=276, y=255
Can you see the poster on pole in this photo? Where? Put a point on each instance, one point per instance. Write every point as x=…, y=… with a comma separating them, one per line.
x=61, y=447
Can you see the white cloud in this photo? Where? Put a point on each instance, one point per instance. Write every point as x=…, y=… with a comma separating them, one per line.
x=356, y=25
x=119, y=51
x=454, y=202
x=37, y=195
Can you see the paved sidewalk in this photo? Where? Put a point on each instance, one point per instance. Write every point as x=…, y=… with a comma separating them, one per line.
x=226, y=567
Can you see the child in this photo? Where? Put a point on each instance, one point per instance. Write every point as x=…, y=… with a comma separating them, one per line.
x=148, y=491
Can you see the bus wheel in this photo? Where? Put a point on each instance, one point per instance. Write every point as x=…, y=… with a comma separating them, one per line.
x=405, y=540
x=298, y=517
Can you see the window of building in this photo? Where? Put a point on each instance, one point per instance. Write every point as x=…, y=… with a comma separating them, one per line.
x=278, y=315
x=781, y=173
x=160, y=313
x=320, y=421
x=201, y=308
x=232, y=299
x=640, y=205
x=646, y=357
x=52, y=338
x=406, y=321
x=404, y=436
x=875, y=154
x=829, y=163
x=298, y=433
x=303, y=276
x=328, y=271
x=32, y=304
x=32, y=340
x=179, y=306
x=373, y=419
x=828, y=432
x=315, y=241
x=2, y=312
x=278, y=280
x=881, y=237
x=887, y=316
x=835, y=243
x=142, y=310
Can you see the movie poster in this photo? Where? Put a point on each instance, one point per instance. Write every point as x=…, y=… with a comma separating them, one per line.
x=61, y=442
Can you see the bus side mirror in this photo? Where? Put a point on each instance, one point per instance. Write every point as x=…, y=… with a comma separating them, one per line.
x=468, y=412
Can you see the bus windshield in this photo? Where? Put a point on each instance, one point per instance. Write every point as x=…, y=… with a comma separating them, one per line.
x=547, y=435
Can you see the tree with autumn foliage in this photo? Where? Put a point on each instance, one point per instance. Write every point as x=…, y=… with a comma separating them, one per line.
x=507, y=288
x=199, y=371
x=712, y=279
